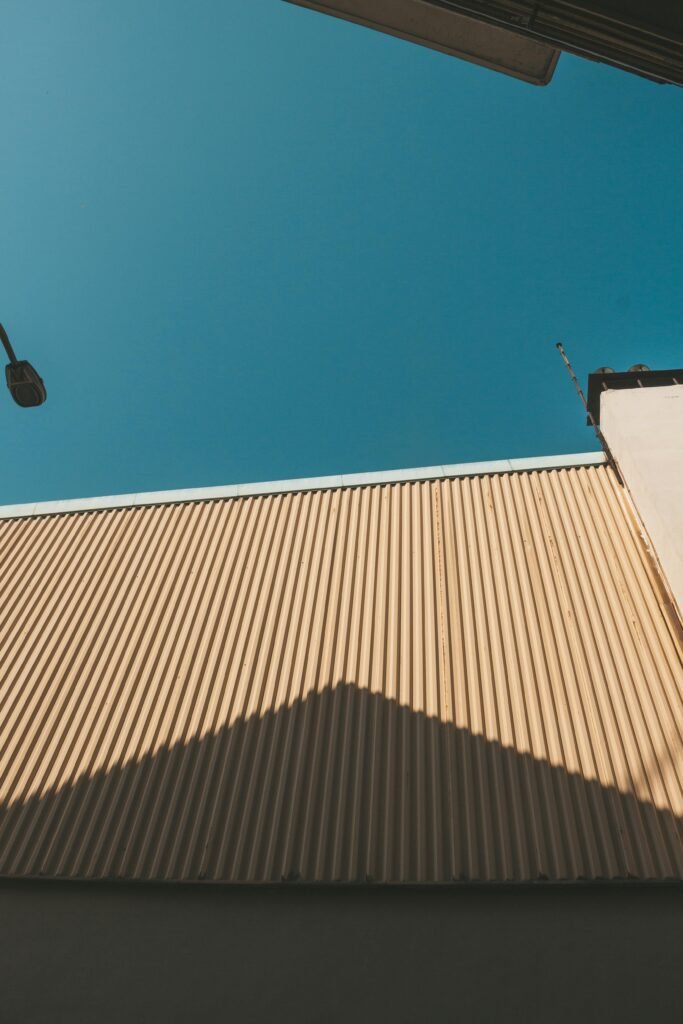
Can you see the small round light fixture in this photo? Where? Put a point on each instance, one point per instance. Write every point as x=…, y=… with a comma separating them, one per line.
x=24, y=382
x=639, y=368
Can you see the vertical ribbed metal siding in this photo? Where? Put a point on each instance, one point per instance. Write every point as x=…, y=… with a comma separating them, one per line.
x=458, y=679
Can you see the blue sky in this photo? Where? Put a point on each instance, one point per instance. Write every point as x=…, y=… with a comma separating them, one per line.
x=243, y=241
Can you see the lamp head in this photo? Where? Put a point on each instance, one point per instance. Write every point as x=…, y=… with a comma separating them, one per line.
x=25, y=384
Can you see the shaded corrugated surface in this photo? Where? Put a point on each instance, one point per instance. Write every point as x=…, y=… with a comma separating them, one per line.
x=456, y=679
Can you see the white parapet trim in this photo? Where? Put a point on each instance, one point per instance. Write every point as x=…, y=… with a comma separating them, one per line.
x=318, y=483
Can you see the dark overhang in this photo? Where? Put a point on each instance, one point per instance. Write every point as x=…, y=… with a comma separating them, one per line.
x=524, y=37
x=608, y=380
x=442, y=27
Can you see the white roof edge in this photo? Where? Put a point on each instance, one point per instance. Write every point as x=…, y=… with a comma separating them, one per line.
x=319, y=483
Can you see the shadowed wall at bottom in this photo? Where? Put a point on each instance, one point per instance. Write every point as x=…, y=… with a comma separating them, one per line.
x=112, y=952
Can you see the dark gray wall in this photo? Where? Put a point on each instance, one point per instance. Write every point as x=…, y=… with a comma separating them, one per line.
x=95, y=952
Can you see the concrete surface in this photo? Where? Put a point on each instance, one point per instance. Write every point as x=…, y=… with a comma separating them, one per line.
x=98, y=952
x=644, y=429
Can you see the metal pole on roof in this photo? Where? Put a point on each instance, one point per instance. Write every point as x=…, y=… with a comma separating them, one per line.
x=591, y=419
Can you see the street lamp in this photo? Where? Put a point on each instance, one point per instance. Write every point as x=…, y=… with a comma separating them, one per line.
x=25, y=384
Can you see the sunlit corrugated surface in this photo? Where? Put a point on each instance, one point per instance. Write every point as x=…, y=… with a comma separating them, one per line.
x=459, y=679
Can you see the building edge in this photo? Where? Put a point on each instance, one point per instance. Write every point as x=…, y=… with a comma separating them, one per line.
x=319, y=483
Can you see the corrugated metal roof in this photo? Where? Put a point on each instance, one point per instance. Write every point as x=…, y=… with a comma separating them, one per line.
x=457, y=679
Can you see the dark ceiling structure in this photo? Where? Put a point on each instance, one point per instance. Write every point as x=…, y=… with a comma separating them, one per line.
x=524, y=39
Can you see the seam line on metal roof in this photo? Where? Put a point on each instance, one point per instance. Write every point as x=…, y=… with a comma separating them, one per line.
x=318, y=483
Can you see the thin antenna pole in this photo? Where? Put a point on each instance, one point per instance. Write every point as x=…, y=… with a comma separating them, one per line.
x=591, y=418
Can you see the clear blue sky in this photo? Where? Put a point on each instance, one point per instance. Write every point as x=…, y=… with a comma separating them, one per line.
x=242, y=241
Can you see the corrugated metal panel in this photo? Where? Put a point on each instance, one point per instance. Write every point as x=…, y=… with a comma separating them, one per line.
x=431, y=681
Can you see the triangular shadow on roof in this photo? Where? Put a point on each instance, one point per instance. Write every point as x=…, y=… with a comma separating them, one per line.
x=343, y=786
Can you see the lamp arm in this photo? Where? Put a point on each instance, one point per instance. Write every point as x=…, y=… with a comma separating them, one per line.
x=7, y=345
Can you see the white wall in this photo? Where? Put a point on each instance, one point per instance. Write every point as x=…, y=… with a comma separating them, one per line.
x=644, y=429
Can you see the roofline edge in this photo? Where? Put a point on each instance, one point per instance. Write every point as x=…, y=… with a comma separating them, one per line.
x=319, y=483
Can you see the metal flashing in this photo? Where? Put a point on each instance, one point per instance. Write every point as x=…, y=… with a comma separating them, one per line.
x=318, y=483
